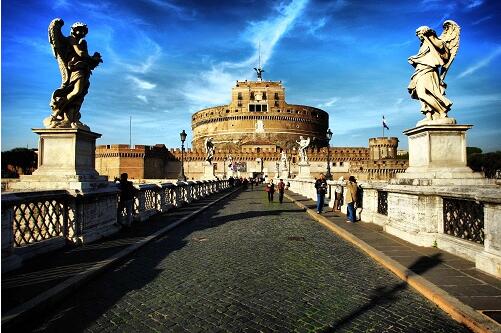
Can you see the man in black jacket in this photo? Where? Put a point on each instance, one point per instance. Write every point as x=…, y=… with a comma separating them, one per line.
x=321, y=186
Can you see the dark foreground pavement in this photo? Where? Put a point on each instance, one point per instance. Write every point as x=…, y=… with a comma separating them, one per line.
x=468, y=294
x=247, y=266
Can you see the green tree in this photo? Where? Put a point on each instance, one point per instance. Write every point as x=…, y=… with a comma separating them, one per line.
x=18, y=161
x=489, y=163
x=473, y=150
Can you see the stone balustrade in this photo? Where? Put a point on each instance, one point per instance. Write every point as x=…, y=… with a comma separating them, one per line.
x=463, y=220
x=37, y=222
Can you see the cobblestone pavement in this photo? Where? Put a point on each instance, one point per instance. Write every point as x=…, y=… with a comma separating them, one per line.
x=248, y=266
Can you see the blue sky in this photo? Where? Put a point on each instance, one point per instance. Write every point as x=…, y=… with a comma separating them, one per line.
x=165, y=59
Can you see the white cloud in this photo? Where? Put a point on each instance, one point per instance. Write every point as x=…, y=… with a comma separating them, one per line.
x=213, y=86
x=141, y=84
x=143, y=98
x=474, y=3
x=481, y=63
x=58, y=4
x=485, y=18
x=181, y=12
x=146, y=65
x=330, y=102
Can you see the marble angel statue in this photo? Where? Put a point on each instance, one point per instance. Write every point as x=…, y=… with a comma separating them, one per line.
x=303, y=144
x=431, y=64
x=75, y=65
x=209, y=150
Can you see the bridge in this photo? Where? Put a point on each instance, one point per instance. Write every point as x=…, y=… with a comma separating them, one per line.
x=207, y=257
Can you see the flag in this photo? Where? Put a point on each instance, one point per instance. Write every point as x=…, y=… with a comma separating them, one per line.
x=384, y=124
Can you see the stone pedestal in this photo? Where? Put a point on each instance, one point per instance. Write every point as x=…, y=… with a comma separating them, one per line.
x=66, y=160
x=437, y=156
x=304, y=171
x=208, y=172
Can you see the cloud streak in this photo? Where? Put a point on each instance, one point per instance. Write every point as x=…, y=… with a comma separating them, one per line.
x=213, y=86
x=141, y=84
x=481, y=64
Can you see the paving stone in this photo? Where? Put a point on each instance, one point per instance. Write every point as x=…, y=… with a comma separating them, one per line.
x=247, y=275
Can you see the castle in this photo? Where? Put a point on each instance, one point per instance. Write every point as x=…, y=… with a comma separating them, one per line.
x=249, y=135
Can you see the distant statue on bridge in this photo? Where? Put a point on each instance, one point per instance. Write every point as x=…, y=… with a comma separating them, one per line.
x=431, y=65
x=75, y=65
x=209, y=150
x=283, y=160
x=303, y=144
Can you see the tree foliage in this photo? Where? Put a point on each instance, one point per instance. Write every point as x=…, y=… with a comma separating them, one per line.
x=473, y=150
x=18, y=161
x=489, y=163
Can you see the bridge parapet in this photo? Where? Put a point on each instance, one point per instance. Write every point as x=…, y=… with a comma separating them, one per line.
x=38, y=222
x=463, y=220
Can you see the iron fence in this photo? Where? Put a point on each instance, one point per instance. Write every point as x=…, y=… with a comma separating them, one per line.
x=464, y=219
x=382, y=202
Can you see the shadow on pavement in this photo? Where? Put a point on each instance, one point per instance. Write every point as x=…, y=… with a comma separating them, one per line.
x=94, y=298
x=385, y=295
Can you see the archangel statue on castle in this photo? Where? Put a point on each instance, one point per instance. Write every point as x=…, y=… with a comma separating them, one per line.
x=431, y=64
x=75, y=65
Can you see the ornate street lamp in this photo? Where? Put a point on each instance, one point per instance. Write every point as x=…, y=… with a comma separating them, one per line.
x=328, y=173
x=182, y=177
x=224, y=167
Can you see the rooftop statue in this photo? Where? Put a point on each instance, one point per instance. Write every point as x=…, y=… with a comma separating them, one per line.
x=259, y=72
x=303, y=144
x=75, y=65
x=209, y=150
x=431, y=64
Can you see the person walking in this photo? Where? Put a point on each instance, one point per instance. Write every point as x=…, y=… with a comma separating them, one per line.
x=270, y=188
x=321, y=186
x=351, y=198
x=127, y=191
x=338, y=195
x=281, y=190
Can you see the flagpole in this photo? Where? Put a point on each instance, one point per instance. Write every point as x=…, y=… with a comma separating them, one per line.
x=130, y=131
x=383, y=126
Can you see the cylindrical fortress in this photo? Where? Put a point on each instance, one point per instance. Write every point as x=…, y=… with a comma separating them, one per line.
x=383, y=148
x=258, y=112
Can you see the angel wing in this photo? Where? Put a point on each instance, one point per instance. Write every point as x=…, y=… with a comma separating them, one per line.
x=450, y=37
x=60, y=48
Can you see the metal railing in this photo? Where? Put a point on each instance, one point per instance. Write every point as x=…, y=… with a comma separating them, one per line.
x=41, y=217
x=382, y=202
x=38, y=216
x=464, y=219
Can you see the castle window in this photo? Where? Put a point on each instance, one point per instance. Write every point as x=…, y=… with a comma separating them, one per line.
x=258, y=107
x=239, y=103
x=239, y=96
x=276, y=96
x=276, y=103
x=252, y=95
x=264, y=95
x=227, y=111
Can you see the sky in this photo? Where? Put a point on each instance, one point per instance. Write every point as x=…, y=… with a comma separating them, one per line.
x=166, y=59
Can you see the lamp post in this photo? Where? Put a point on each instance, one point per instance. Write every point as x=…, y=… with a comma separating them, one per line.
x=181, y=176
x=328, y=173
x=224, y=167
